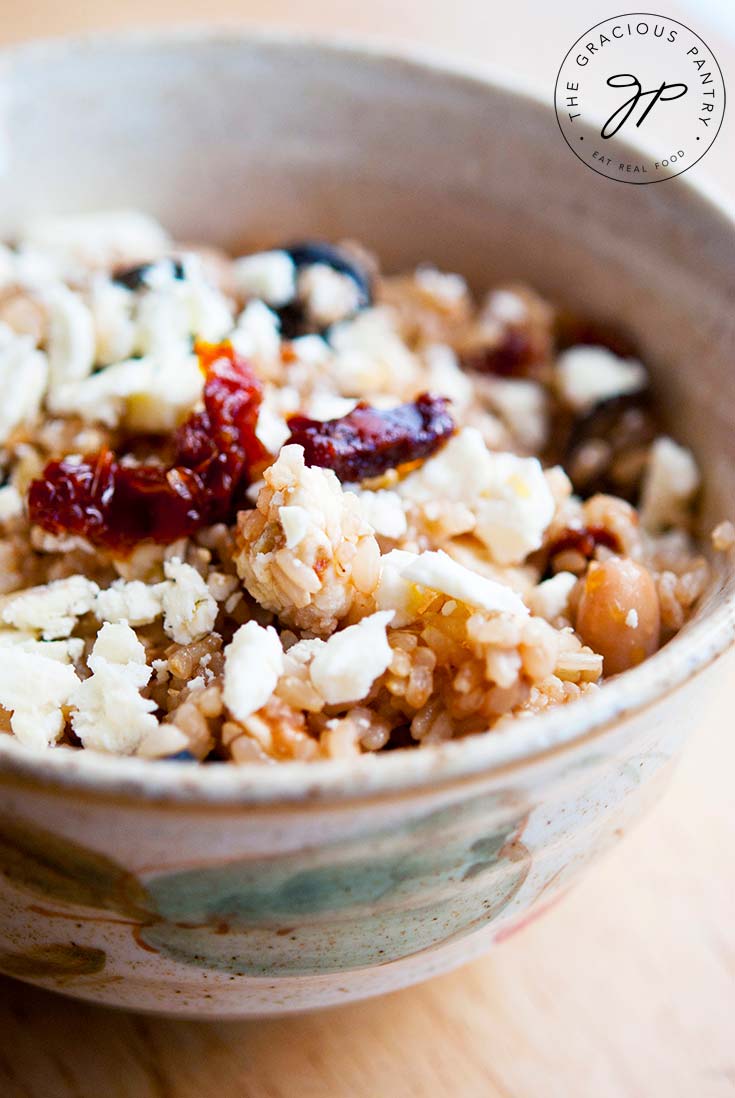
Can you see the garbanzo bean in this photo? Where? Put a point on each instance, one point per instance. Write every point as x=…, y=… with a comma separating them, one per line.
x=618, y=613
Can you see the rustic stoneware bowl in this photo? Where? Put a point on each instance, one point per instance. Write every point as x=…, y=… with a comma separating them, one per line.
x=238, y=891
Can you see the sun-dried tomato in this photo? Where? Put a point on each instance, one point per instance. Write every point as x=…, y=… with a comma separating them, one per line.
x=368, y=441
x=584, y=540
x=117, y=503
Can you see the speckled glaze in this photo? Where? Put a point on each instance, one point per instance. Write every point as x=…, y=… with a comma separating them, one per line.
x=237, y=891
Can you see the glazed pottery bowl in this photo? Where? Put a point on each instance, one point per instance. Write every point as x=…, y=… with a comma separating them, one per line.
x=236, y=891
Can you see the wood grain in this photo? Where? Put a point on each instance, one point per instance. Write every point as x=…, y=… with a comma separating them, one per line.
x=625, y=990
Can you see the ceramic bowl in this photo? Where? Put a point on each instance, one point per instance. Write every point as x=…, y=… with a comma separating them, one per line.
x=238, y=891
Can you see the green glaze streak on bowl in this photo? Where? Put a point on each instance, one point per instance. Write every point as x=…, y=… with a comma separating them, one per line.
x=348, y=905
x=56, y=868
x=58, y=960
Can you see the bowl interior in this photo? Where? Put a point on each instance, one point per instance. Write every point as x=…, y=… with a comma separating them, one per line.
x=245, y=141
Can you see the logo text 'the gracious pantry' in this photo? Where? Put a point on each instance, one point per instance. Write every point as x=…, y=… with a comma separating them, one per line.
x=639, y=98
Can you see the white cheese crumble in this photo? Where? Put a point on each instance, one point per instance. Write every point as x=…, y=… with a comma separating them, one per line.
x=506, y=306
x=175, y=309
x=438, y=572
x=136, y=603
x=189, y=609
x=396, y=593
x=23, y=380
x=509, y=497
x=296, y=523
x=71, y=342
x=346, y=666
x=256, y=335
x=370, y=357
x=52, y=610
x=164, y=740
x=272, y=429
x=149, y=394
x=443, y=287
x=111, y=714
x=444, y=375
x=279, y=402
x=723, y=536
x=383, y=509
x=11, y=503
x=222, y=585
x=63, y=651
x=325, y=406
x=253, y=665
x=98, y=239
x=631, y=618
x=328, y=295
x=312, y=353
x=270, y=276
x=550, y=599
x=670, y=482
x=112, y=307
x=587, y=375
x=521, y=404
x=35, y=689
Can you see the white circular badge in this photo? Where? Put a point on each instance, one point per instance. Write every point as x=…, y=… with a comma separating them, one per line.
x=645, y=80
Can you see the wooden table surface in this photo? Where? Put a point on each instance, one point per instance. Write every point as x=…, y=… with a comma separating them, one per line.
x=627, y=988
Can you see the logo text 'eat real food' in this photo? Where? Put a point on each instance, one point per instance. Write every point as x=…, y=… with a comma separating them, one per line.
x=639, y=98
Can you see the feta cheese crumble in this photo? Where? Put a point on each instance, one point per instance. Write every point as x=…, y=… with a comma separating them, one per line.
x=346, y=666
x=94, y=239
x=550, y=599
x=383, y=509
x=669, y=485
x=51, y=610
x=11, y=503
x=270, y=276
x=136, y=603
x=23, y=380
x=148, y=395
x=189, y=609
x=587, y=375
x=110, y=712
x=71, y=342
x=438, y=572
x=328, y=295
x=36, y=689
x=509, y=496
x=253, y=664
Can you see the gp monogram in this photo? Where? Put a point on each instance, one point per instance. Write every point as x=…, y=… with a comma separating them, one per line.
x=639, y=98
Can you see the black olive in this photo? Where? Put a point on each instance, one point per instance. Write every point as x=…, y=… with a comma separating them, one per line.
x=134, y=278
x=293, y=321
x=625, y=426
x=307, y=254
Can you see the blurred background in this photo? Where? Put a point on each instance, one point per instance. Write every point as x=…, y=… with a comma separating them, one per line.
x=527, y=37
x=627, y=989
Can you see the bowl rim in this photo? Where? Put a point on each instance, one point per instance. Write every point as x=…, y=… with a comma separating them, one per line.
x=481, y=757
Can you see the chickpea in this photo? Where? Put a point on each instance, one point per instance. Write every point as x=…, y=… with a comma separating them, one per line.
x=618, y=613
